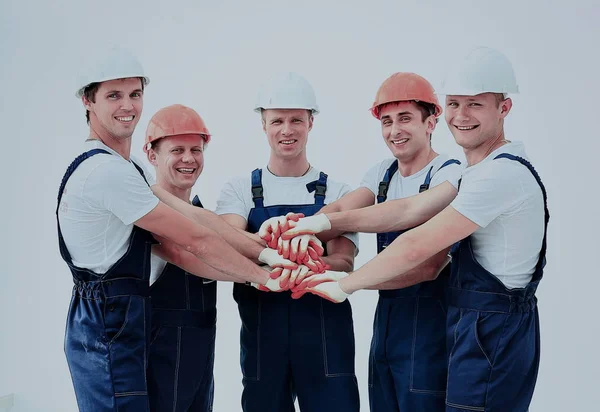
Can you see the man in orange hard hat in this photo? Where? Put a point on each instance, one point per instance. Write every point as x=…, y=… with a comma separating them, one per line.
x=407, y=363
x=182, y=346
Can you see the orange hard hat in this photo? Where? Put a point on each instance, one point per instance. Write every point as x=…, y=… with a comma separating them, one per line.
x=401, y=87
x=172, y=121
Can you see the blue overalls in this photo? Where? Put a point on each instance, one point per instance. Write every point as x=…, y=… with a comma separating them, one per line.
x=108, y=324
x=290, y=347
x=182, y=349
x=493, y=332
x=408, y=361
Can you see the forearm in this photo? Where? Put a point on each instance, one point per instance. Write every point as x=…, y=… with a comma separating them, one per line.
x=242, y=243
x=339, y=262
x=426, y=271
x=396, y=260
x=394, y=215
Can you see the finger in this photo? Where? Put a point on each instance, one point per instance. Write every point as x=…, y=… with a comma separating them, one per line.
x=263, y=288
x=312, y=253
x=294, y=253
x=284, y=278
x=314, y=281
x=316, y=245
x=302, y=273
x=303, y=244
x=299, y=294
x=285, y=246
x=275, y=273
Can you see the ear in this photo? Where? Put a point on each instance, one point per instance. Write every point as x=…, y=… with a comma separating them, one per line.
x=310, y=122
x=86, y=103
x=505, y=107
x=152, y=157
x=264, y=125
x=431, y=123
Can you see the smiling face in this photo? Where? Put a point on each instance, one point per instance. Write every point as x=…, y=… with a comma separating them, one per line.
x=116, y=107
x=474, y=120
x=405, y=131
x=178, y=160
x=287, y=131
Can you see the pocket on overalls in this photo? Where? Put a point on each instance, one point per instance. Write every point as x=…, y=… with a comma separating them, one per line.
x=337, y=332
x=476, y=338
x=115, y=316
x=429, y=362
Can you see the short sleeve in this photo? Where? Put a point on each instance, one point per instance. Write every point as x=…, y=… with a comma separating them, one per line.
x=231, y=199
x=488, y=191
x=451, y=173
x=118, y=187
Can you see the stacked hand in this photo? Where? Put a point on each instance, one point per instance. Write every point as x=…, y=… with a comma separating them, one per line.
x=293, y=238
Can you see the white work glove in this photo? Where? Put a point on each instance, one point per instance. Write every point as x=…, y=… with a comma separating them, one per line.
x=272, y=228
x=326, y=287
x=275, y=260
x=288, y=278
x=307, y=226
x=273, y=284
x=297, y=248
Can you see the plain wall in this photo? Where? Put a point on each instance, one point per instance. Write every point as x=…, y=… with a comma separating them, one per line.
x=212, y=56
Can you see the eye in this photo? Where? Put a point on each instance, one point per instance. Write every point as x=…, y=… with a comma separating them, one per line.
x=137, y=95
x=405, y=119
x=386, y=122
x=452, y=104
x=474, y=104
x=113, y=96
x=176, y=150
x=297, y=121
x=276, y=122
x=197, y=150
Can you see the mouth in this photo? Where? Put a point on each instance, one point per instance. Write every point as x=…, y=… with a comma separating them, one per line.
x=288, y=142
x=125, y=119
x=466, y=128
x=399, y=142
x=186, y=170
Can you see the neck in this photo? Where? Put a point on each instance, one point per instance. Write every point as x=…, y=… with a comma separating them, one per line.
x=183, y=194
x=121, y=146
x=408, y=167
x=289, y=167
x=482, y=151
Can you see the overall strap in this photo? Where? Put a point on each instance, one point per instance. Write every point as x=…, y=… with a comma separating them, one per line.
x=427, y=182
x=542, y=260
x=257, y=188
x=384, y=185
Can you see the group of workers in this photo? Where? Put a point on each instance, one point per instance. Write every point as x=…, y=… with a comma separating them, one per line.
x=461, y=251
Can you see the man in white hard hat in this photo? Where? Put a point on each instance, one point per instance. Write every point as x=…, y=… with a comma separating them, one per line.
x=106, y=217
x=408, y=362
x=292, y=348
x=500, y=218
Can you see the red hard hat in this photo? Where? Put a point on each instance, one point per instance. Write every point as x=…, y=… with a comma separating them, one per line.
x=172, y=121
x=401, y=87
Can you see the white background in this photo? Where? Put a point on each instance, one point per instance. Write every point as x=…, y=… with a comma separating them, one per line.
x=212, y=56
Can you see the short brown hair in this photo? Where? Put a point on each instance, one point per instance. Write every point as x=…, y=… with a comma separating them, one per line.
x=90, y=94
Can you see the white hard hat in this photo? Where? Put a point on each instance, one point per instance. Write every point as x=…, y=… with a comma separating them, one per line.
x=481, y=70
x=117, y=64
x=287, y=91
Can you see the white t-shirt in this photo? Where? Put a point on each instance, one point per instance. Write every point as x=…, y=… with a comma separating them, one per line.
x=101, y=200
x=406, y=186
x=504, y=199
x=236, y=196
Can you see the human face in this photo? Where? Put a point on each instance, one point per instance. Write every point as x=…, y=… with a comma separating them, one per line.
x=117, y=107
x=179, y=160
x=404, y=131
x=475, y=120
x=287, y=131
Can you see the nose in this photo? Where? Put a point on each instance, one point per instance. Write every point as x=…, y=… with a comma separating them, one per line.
x=286, y=129
x=126, y=104
x=187, y=157
x=395, y=130
x=462, y=113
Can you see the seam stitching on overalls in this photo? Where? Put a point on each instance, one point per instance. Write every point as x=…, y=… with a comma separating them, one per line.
x=476, y=331
x=177, y=362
